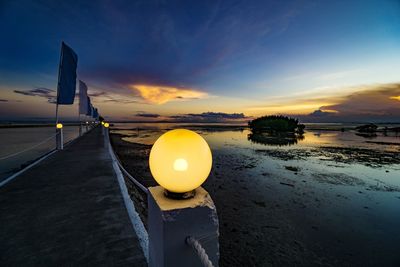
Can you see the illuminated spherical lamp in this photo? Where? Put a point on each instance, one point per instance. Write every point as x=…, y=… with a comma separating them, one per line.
x=106, y=124
x=102, y=123
x=59, y=126
x=180, y=161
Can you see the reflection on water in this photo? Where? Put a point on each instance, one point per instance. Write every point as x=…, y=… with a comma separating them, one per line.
x=367, y=135
x=277, y=139
x=219, y=135
x=320, y=148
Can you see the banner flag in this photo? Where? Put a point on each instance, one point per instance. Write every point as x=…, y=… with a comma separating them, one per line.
x=89, y=107
x=83, y=98
x=95, y=113
x=67, y=76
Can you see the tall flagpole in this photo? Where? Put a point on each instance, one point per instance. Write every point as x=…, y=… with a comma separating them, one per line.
x=79, y=112
x=80, y=124
x=57, y=111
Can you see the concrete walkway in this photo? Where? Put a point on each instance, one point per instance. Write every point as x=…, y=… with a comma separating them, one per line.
x=68, y=211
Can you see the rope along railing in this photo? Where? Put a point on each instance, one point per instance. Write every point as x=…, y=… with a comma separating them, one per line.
x=200, y=251
x=133, y=180
x=142, y=187
x=27, y=149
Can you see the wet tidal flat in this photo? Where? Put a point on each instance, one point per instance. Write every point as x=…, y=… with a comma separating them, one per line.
x=327, y=198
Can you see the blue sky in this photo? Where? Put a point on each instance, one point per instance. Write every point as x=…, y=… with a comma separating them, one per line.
x=180, y=57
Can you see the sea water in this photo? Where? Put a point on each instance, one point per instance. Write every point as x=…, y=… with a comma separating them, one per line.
x=15, y=140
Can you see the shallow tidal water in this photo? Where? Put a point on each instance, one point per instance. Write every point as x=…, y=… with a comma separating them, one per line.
x=15, y=140
x=327, y=198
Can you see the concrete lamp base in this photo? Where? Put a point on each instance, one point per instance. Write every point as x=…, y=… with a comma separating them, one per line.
x=179, y=196
x=172, y=221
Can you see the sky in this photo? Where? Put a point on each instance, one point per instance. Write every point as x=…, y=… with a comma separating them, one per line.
x=205, y=60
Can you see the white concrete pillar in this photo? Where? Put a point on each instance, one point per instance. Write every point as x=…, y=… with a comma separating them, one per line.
x=105, y=132
x=59, y=139
x=171, y=221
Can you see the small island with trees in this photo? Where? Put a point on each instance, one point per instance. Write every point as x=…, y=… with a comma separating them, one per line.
x=275, y=130
x=276, y=124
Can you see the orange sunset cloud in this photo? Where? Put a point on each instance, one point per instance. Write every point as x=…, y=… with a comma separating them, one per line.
x=163, y=94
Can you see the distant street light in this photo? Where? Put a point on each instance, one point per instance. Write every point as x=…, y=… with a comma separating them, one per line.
x=180, y=161
x=59, y=136
x=106, y=124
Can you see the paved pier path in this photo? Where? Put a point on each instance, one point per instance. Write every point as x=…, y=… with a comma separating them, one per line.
x=68, y=211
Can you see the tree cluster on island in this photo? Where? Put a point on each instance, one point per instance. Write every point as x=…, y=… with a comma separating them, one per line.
x=276, y=124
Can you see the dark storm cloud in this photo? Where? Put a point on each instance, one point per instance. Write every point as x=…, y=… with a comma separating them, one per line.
x=182, y=42
x=42, y=92
x=112, y=97
x=379, y=103
x=173, y=43
x=3, y=100
x=121, y=101
x=320, y=113
x=209, y=117
x=218, y=115
x=371, y=100
x=147, y=115
x=49, y=94
x=96, y=94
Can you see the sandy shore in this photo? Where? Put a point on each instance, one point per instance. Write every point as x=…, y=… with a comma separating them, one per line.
x=291, y=218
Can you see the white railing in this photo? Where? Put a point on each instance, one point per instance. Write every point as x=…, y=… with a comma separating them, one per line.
x=130, y=177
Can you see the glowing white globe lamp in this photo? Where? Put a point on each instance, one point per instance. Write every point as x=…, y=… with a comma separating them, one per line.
x=106, y=124
x=180, y=161
x=59, y=126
